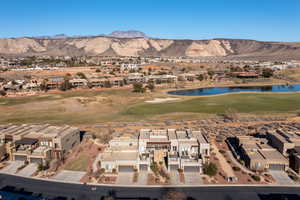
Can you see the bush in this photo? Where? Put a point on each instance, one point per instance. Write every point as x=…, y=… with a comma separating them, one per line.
x=256, y=178
x=236, y=168
x=2, y=93
x=210, y=169
x=138, y=87
x=222, y=151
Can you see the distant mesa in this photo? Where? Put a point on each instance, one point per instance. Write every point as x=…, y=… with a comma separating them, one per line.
x=128, y=34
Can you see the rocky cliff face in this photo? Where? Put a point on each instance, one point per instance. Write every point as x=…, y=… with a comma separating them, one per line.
x=147, y=47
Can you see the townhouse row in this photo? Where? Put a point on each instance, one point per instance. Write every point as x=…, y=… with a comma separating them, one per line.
x=176, y=149
x=37, y=143
x=279, y=150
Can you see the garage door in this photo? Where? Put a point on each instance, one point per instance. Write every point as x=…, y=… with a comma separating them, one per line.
x=174, y=167
x=143, y=167
x=276, y=167
x=20, y=158
x=126, y=169
x=192, y=169
x=36, y=160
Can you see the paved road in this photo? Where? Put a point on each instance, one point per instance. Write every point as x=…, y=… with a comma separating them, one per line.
x=86, y=192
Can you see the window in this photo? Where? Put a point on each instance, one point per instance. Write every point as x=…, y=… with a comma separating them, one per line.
x=174, y=148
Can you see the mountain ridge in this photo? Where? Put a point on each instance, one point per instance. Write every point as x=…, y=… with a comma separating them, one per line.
x=145, y=46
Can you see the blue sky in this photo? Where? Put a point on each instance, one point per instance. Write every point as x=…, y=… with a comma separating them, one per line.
x=270, y=20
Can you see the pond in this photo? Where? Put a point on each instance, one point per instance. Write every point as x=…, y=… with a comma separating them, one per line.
x=234, y=89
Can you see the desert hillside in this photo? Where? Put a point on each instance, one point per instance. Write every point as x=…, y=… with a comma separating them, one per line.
x=111, y=46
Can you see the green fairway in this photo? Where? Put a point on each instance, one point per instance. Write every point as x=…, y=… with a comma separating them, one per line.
x=242, y=103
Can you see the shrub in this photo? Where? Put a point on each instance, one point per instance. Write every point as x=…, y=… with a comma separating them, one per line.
x=210, y=169
x=138, y=87
x=256, y=178
x=221, y=151
x=236, y=168
x=2, y=93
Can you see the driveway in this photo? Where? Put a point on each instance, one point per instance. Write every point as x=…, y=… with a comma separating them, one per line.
x=192, y=178
x=143, y=178
x=124, y=178
x=12, y=167
x=69, y=176
x=174, y=177
x=281, y=177
x=28, y=170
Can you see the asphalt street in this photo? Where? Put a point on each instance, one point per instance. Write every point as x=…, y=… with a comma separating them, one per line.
x=87, y=192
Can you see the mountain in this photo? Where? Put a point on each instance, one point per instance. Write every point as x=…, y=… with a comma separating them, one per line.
x=141, y=46
x=128, y=34
x=58, y=36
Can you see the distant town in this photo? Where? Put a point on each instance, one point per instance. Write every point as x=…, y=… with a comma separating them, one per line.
x=37, y=74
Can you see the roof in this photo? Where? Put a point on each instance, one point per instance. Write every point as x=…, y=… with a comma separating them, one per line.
x=273, y=155
x=117, y=156
x=35, y=131
x=26, y=141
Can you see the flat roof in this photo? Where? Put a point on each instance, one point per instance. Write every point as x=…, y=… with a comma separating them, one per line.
x=272, y=155
x=36, y=131
x=119, y=156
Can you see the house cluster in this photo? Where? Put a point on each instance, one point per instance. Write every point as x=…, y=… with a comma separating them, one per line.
x=176, y=149
x=37, y=143
x=279, y=150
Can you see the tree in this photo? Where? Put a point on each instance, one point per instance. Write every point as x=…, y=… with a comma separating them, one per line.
x=43, y=85
x=151, y=86
x=138, y=87
x=211, y=73
x=210, y=169
x=200, y=77
x=2, y=93
x=98, y=70
x=81, y=75
x=66, y=85
x=267, y=73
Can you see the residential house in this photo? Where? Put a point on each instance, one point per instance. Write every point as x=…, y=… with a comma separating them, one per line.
x=39, y=143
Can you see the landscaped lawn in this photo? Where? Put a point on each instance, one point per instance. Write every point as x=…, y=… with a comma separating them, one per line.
x=242, y=103
x=90, y=107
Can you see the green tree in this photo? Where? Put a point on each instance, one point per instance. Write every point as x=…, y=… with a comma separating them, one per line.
x=81, y=75
x=151, y=86
x=138, y=87
x=210, y=169
x=200, y=77
x=267, y=73
x=66, y=85
x=2, y=93
x=211, y=73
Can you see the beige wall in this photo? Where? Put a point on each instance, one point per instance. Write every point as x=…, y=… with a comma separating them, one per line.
x=66, y=143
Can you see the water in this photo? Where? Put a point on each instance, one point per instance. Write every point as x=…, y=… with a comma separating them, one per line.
x=225, y=90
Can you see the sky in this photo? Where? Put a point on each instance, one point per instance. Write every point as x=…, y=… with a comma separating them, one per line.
x=266, y=20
